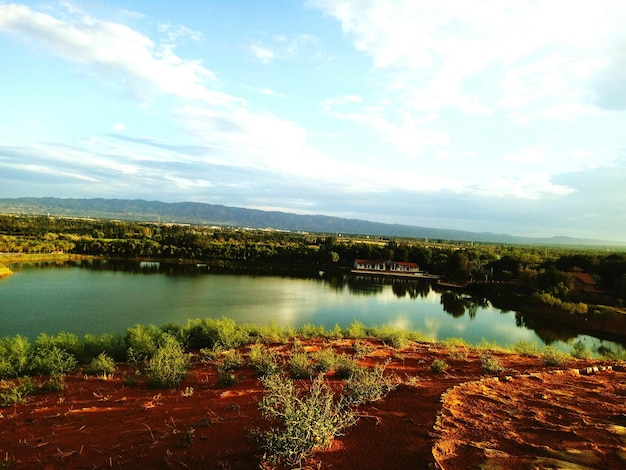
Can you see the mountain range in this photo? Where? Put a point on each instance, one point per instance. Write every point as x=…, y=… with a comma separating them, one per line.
x=212, y=214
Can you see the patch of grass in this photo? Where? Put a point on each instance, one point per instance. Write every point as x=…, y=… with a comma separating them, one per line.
x=439, y=366
x=300, y=366
x=551, y=356
x=491, y=364
x=454, y=342
x=306, y=421
x=527, y=348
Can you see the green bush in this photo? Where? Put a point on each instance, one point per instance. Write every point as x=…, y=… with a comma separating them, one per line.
x=168, y=365
x=336, y=333
x=307, y=421
x=67, y=342
x=309, y=331
x=526, y=348
x=325, y=360
x=15, y=356
x=439, y=366
x=392, y=336
x=356, y=330
x=52, y=360
x=113, y=345
x=345, y=366
x=300, y=366
x=210, y=333
x=102, y=365
x=367, y=385
x=263, y=360
x=551, y=356
x=580, y=351
x=491, y=364
x=15, y=393
x=142, y=342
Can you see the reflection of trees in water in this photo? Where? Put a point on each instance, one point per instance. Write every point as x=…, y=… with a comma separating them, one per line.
x=546, y=330
x=455, y=304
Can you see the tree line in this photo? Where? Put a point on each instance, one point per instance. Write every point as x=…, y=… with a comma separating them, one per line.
x=531, y=269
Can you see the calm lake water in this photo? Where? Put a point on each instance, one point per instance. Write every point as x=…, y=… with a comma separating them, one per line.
x=109, y=297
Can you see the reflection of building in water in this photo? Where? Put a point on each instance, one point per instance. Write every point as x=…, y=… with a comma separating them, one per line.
x=386, y=265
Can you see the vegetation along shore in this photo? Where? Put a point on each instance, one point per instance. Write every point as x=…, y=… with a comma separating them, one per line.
x=583, y=288
x=216, y=394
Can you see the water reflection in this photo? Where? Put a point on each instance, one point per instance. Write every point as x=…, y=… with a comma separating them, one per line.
x=292, y=297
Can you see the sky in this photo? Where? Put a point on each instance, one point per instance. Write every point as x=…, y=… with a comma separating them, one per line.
x=503, y=116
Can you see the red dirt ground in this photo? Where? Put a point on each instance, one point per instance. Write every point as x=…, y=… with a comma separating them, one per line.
x=530, y=417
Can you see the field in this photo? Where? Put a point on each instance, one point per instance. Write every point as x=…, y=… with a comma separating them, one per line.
x=447, y=406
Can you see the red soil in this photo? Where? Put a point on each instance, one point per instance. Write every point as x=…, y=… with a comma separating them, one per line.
x=532, y=417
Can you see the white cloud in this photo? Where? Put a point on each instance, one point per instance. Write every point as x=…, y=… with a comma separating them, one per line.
x=264, y=54
x=123, y=55
x=535, y=48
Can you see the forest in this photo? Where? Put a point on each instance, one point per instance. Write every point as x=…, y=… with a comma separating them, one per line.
x=543, y=274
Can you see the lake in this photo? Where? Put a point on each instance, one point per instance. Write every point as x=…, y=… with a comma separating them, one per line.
x=108, y=297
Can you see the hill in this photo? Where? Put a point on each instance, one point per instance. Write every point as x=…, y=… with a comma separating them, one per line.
x=212, y=214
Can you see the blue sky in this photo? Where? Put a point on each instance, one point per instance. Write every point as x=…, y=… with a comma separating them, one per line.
x=506, y=116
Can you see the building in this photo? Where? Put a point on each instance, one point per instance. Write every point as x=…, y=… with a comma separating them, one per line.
x=583, y=282
x=385, y=266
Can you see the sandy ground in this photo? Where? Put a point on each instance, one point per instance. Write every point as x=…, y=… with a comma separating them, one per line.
x=529, y=416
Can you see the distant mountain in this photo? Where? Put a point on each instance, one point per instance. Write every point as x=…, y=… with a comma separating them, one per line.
x=211, y=214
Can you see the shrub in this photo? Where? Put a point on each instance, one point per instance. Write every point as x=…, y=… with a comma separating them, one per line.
x=210, y=332
x=526, y=348
x=345, y=366
x=335, y=333
x=15, y=356
x=113, y=345
x=439, y=366
x=392, y=336
x=232, y=360
x=367, y=385
x=263, y=360
x=325, y=359
x=312, y=331
x=53, y=361
x=362, y=349
x=102, y=365
x=225, y=376
x=356, y=330
x=580, y=351
x=491, y=364
x=168, y=365
x=300, y=366
x=67, y=342
x=551, y=356
x=142, y=342
x=308, y=421
x=15, y=393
